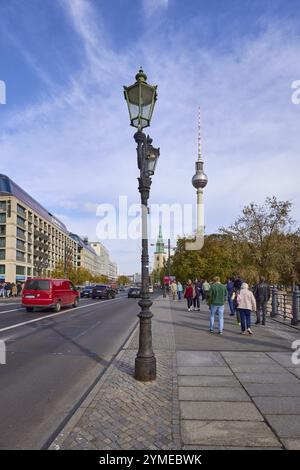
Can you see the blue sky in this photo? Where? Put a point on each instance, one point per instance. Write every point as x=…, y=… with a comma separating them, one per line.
x=64, y=133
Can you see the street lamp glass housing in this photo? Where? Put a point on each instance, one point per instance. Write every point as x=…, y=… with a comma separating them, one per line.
x=140, y=98
x=151, y=160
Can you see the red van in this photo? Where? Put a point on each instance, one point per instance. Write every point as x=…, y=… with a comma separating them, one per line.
x=49, y=293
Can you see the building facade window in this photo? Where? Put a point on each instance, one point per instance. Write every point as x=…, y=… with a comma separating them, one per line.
x=21, y=210
x=20, y=221
x=20, y=233
x=2, y=242
x=2, y=230
x=20, y=244
x=20, y=255
x=2, y=206
x=20, y=270
x=2, y=254
x=2, y=268
x=29, y=271
x=2, y=218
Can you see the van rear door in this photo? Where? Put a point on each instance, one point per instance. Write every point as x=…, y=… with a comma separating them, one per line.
x=37, y=292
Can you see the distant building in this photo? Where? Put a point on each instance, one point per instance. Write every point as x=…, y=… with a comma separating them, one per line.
x=33, y=242
x=160, y=256
x=107, y=267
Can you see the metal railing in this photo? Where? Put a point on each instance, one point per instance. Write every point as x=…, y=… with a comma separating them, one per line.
x=285, y=303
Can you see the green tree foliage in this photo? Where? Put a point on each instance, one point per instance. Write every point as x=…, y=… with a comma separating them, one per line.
x=261, y=241
x=79, y=276
x=123, y=280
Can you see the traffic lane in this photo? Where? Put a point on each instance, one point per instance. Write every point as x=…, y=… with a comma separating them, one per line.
x=49, y=369
x=18, y=314
x=67, y=326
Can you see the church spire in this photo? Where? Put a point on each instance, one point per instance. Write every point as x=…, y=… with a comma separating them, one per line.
x=160, y=246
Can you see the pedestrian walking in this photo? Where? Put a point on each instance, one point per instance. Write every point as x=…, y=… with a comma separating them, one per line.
x=262, y=294
x=230, y=291
x=2, y=291
x=216, y=296
x=179, y=290
x=246, y=304
x=174, y=290
x=188, y=295
x=7, y=289
x=237, y=284
x=196, y=299
x=205, y=289
x=14, y=290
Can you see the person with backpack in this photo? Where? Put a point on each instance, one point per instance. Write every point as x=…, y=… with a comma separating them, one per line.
x=246, y=304
x=262, y=293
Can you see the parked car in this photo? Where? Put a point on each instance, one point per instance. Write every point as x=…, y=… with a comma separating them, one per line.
x=102, y=291
x=134, y=292
x=86, y=291
x=49, y=293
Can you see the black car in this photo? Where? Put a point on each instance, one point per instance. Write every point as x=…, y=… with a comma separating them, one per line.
x=86, y=291
x=101, y=291
x=134, y=292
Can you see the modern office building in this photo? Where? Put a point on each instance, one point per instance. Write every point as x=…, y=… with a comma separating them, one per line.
x=33, y=241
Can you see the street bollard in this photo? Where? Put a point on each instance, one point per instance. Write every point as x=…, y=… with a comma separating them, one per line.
x=274, y=311
x=296, y=300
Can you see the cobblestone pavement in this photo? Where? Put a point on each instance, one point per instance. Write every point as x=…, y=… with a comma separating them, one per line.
x=122, y=413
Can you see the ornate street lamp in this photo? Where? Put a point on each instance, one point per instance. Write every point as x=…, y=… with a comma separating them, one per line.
x=141, y=99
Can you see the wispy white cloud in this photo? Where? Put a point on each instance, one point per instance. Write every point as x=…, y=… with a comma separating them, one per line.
x=154, y=6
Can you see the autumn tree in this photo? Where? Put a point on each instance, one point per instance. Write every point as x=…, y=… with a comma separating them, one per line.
x=258, y=235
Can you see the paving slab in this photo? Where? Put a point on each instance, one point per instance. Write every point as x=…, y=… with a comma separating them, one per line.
x=278, y=405
x=285, y=425
x=233, y=434
x=219, y=411
x=267, y=378
x=207, y=381
x=273, y=390
x=213, y=394
x=285, y=359
x=244, y=360
x=199, y=358
x=258, y=368
x=295, y=371
x=208, y=371
x=291, y=444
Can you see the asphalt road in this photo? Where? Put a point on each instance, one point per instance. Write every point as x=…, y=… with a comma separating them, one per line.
x=52, y=360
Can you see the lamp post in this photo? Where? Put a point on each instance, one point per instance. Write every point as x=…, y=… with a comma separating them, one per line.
x=141, y=98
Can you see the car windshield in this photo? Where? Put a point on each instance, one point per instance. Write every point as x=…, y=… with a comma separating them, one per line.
x=88, y=288
x=36, y=284
x=101, y=287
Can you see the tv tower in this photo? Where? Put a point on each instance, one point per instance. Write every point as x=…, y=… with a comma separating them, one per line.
x=199, y=181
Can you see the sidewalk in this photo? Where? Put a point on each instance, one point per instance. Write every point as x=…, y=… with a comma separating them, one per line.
x=211, y=392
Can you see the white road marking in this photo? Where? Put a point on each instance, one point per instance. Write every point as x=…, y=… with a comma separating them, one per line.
x=9, y=303
x=13, y=310
x=52, y=315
